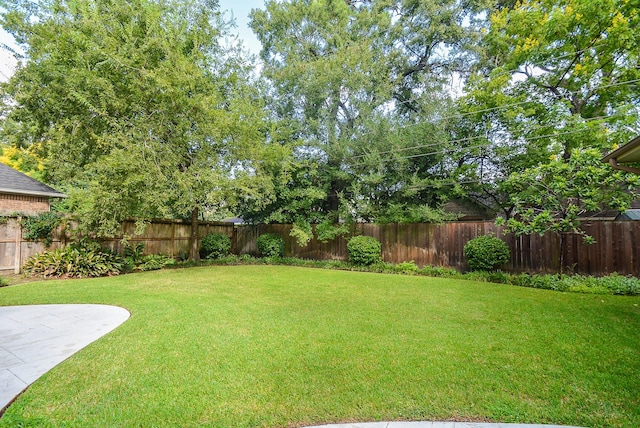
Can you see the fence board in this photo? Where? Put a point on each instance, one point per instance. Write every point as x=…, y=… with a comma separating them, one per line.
x=617, y=248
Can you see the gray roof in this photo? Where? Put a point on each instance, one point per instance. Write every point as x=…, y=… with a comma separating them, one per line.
x=15, y=182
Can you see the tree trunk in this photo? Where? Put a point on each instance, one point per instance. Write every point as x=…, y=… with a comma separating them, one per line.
x=194, y=254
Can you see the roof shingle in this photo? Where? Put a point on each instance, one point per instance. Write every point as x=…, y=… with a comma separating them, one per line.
x=15, y=182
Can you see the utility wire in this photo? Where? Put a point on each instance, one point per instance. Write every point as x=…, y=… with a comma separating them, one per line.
x=441, y=152
x=502, y=107
x=471, y=139
x=453, y=183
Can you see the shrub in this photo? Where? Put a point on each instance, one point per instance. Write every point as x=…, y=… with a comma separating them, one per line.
x=74, y=262
x=3, y=282
x=440, y=271
x=618, y=284
x=132, y=255
x=215, y=246
x=270, y=245
x=154, y=262
x=407, y=267
x=486, y=253
x=134, y=260
x=364, y=250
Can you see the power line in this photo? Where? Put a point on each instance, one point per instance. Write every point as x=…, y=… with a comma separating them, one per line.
x=475, y=147
x=493, y=109
x=473, y=139
x=456, y=116
x=440, y=184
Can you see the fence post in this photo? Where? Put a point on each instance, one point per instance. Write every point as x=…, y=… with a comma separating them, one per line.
x=18, y=252
x=173, y=239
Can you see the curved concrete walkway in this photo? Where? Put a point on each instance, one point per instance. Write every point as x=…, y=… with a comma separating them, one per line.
x=36, y=338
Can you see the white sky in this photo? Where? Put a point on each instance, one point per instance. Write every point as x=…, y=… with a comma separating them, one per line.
x=238, y=9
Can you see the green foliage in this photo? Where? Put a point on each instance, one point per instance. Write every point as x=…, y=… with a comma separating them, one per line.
x=270, y=245
x=3, y=282
x=40, y=227
x=612, y=284
x=133, y=255
x=154, y=262
x=486, y=253
x=553, y=76
x=364, y=250
x=137, y=106
x=135, y=260
x=406, y=213
x=215, y=246
x=302, y=232
x=357, y=90
x=74, y=262
x=328, y=231
x=551, y=197
x=407, y=267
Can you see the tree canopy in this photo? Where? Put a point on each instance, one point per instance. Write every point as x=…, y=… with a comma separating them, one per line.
x=136, y=106
x=376, y=110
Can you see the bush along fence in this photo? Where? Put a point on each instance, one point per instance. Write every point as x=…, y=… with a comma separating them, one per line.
x=617, y=247
x=169, y=237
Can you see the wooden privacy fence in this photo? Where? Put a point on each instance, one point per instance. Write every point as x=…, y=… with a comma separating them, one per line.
x=170, y=237
x=617, y=247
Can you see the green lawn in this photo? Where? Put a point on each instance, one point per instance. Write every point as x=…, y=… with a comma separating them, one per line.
x=266, y=346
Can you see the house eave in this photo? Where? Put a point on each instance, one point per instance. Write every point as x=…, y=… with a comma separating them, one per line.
x=33, y=193
x=628, y=153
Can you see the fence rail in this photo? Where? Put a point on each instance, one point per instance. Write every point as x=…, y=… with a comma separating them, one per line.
x=617, y=247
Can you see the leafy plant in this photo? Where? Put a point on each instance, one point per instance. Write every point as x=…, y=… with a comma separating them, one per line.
x=406, y=267
x=154, y=262
x=553, y=197
x=327, y=231
x=215, y=246
x=364, y=250
x=74, y=261
x=135, y=260
x=486, y=253
x=270, y=245
x=3, y=282
x=40, y=227
x=133, y=255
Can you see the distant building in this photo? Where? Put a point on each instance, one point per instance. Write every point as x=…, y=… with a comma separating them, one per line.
x=469, y=210
x=234, y=220
x=20, y=193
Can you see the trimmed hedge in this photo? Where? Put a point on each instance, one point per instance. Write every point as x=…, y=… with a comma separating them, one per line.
x=270, y=245
x=486, y=253
x=364, y=250
x=214, y=246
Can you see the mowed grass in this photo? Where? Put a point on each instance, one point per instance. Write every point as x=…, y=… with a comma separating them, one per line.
x=266, y=346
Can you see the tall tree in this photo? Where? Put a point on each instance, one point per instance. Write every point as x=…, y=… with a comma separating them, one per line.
x=556, y=76
x=362, y=83
x=136, y=105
